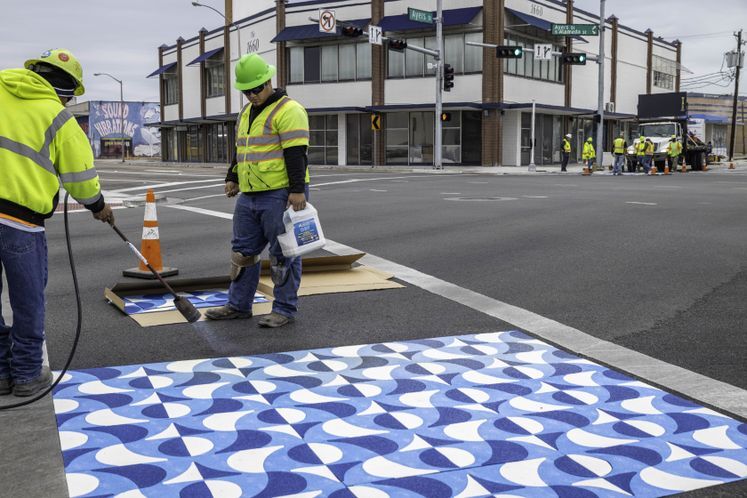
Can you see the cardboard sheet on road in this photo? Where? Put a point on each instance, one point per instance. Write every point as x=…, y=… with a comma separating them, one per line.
x=321, y=275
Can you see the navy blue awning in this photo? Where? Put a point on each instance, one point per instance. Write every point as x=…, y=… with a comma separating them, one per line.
x=162, y=69
x=452, y=17
x=206, y=56
x=538, y=22
x=311, y=31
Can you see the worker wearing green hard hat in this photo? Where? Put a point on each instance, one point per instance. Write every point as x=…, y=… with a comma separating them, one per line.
x=71, y=78
x=252, y=71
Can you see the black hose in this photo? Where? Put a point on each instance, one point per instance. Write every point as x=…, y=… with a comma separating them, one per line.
x=77, y=327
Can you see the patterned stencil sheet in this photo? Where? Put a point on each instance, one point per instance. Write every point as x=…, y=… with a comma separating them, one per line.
x=150, y=303
x=497, y=414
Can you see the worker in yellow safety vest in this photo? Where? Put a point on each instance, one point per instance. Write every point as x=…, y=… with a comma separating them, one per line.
x=269, y=173
x=640, y=153
x=41, y=143
x=674, y=149
x=589, y=154
x=565, y=152
x=648, y=157
x=618, y=149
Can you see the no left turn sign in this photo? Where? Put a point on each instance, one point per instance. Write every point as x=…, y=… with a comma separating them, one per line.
x=327, y=22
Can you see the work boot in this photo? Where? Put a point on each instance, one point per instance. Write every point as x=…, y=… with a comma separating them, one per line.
x=39, y=383
x=226, y=312
x=275, y=320
x=6, y=386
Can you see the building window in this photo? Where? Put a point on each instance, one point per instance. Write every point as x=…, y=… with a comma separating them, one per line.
x=170, y=88
x=527, y=66
x=323, y=146
x=463, y=58
x=214, y=69
x=359, y=138
x=329, y=63
x=193, y=144
x=665, y=71
x=216, y=143
x=397, y=135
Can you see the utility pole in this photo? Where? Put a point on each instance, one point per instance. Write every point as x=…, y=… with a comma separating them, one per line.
x=600, y=95
x=736, y=96
x=438, y=128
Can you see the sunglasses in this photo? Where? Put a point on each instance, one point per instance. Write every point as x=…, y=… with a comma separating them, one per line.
x=256, y=90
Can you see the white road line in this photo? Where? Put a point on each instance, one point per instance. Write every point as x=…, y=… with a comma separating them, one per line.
x=221, y=185
x=377, y=190
x=535, y=196
x=129, y=180
x=710, y=391
x=357, y=180
x=117, y=172
x=450, y=193
x=204, y=197
x=642, y=203
x=169, y=184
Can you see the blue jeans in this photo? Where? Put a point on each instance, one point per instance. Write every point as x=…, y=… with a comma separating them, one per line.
x=647, y=163
x=257, y=221
x=24, y=258
x=619, y=162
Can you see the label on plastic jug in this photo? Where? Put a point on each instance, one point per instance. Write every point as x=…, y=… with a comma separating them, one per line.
x=305, y=232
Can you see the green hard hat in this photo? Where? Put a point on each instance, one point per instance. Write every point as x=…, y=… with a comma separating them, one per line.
x=62, y=59
x=251, y=71
x=589, y=139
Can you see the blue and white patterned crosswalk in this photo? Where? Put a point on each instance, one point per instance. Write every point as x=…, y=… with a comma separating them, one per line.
x=497, y=414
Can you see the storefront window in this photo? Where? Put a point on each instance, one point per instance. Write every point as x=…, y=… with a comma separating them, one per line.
x=323, y=143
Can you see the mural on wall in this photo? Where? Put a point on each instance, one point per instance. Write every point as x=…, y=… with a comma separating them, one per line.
x=105, y=123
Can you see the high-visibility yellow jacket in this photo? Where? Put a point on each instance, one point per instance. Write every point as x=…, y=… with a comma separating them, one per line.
x=40, y=141
x=588, y=152
x=566, y=145
x=619, y=146
x=259, y=154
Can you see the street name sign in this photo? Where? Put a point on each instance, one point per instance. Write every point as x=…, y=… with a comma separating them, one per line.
x=420, y=15
x=327, y=21
x=575, y=29
x=374, y=34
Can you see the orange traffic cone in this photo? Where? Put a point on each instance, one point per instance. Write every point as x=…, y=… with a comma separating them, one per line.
x=150, y=246
x=586, y=171
x=654, y=171
x=731, y=166
x=684, y=167
x=666, y=169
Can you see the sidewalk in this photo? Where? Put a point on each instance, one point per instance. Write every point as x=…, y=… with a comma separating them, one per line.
x=573, y=169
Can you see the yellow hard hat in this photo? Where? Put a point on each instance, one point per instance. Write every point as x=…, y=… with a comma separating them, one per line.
x=63, y=59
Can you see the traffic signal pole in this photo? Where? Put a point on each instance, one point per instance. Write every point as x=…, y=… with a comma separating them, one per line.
x=600, y=95
x=438, y=128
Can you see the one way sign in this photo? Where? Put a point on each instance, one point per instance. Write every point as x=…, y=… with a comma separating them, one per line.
x=543, y=52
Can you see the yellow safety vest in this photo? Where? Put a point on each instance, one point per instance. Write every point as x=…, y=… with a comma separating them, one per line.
x=674, y=149
x=649, y=148
x=566, y=145
x=589, y=152
x=640, y=148
x=619, y=146
x=259, y=153
x=39, y=142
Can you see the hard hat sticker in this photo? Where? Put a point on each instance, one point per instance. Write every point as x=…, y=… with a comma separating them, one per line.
x=46, y=53
x=63, y=57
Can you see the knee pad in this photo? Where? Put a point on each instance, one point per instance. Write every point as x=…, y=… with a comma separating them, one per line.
x=239, y=262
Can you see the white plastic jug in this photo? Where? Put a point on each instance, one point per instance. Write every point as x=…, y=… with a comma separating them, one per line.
x=303, y=232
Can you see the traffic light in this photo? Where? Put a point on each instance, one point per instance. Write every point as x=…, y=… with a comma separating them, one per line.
x=448, y=77
x=509, y=52
x=573, y=58
x=445, y=116
x=351, y=31
x=398, y=45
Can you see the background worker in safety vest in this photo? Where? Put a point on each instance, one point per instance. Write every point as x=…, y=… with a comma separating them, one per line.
x=618, y=149
x=674, y=149
x=565, y=152
x=640, y=153
x=40, y=144
x=589, y=154
x=271, y=172
x=648, y=156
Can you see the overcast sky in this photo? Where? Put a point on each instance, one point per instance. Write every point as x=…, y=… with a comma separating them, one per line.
x=122, y=38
